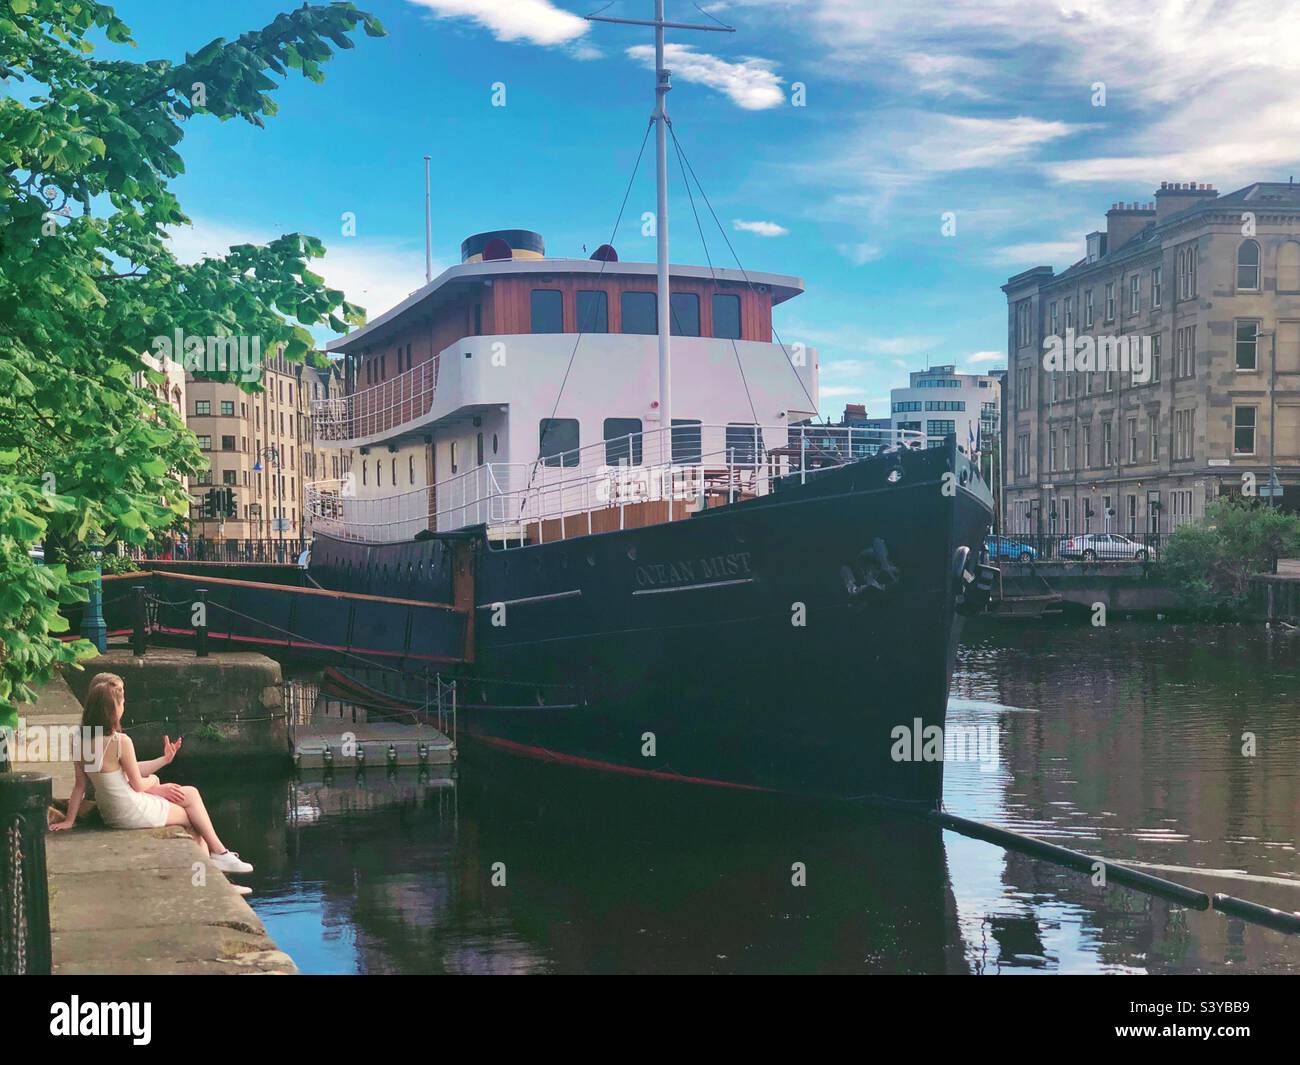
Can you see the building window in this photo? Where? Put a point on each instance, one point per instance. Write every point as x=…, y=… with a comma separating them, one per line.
x=935, y=404
x=622, y=441
x=1153, y=436
x=1067, y=447
x=1247, y=345
x=1132, y=515
x=227, y=443
x=685, y=310
x=908, y=406
x=1157, y=275
x=726, y=315
x=687, y=445
x=1022, y=386
x=1022, y=455
x=558, y=441
x=1053, y=319
x=1135, y=294
x=1051, y=451
x=203, y=406
x=1132, y=440
x=1069, y=312
x=1085, y=439
x=939, y=428
x=1248, y=266
x=230, y=477
x=547, y=307
x=1087, y=309
x=1184, y=422
x=1024, y=334
x=1288, y=267
x=1187, y=272
x=1243, y=431
x=593, y=312
x=1185, y=351
x=1155, y=357
x=1106, y=434
x=1110, y=301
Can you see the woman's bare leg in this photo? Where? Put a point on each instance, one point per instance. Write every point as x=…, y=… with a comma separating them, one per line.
x=195, y=815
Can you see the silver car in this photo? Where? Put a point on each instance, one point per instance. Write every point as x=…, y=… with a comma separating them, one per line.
x=1107, y=547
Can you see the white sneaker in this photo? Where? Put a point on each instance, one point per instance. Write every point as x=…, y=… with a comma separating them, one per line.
x=242, y=889
x=230, y=862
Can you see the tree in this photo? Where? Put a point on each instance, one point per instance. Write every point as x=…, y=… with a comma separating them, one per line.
x=1210, y=562
x=87, y=281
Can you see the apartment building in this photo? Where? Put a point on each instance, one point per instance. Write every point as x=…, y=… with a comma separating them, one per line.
x=261, y=446
x=1203, y=291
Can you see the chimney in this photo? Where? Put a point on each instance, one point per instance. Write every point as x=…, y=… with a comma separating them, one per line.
x=1124, y=220
x=1173, y=197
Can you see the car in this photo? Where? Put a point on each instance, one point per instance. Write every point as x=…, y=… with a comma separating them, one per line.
x=1108, y=547
x=1004, y=548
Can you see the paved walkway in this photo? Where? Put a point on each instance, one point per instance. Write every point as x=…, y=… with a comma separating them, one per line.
x=141, y=901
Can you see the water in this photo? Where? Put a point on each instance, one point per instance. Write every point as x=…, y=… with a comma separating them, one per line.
x=1124, y=742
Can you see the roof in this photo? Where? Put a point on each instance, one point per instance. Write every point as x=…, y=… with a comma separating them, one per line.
x=455, y=279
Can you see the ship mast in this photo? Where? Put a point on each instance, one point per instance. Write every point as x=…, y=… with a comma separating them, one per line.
x=663, y=83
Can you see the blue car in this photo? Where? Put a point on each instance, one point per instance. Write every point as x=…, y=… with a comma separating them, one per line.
x=1005, y=549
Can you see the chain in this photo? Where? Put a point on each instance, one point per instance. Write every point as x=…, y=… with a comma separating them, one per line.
x=17, y=952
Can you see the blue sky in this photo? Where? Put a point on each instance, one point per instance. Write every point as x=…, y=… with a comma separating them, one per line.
x=990, y=110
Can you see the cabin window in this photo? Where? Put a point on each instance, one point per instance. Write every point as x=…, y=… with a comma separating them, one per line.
x=687, y=449
x=640, y=315
x=494, y=443
x=394, y=473
x=619, y=449
x=744, y=444
x=726, y=316
x=455, y=457
x=410, y=468
x=548, y=310
x=478, y=450
x=558, y=441
x=363, y=472
x=685, y=308
x=593, y=312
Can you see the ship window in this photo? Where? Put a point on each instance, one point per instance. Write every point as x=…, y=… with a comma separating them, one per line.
x=410, y=468
x=686, y=441
x=726, y=316
x=455, y=454
x=548, y=310
x=478, y=450
x=619, y=449
x=593, y=312
x=558, y=441
x=686, y=313
x=494, y=443
x=744, y=444
x=639, y=312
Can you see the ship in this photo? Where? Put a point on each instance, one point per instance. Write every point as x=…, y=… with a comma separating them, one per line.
x=666, y=568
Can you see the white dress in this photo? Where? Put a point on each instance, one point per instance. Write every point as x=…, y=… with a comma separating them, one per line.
x=120, y=805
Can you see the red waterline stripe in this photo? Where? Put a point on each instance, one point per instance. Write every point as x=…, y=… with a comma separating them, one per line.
x=305, y=644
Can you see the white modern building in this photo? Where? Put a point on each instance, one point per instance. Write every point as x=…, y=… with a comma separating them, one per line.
x=939, y=401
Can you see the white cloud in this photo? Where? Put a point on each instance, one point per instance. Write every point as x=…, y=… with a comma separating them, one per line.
x=750, y=83
x=534, y=21
x=762, y=229
x=859, y=254
x=986, y=356
x=836, y=391
x=1039, y=253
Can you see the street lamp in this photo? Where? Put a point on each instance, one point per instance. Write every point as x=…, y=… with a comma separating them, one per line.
x=1273, y=487
x=272, y=453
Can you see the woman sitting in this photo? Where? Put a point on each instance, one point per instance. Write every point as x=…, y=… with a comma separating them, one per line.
x=128, y=793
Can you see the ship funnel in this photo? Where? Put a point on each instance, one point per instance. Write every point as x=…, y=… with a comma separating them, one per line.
x=499, y=244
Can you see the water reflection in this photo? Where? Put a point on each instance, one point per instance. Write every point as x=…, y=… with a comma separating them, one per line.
x=1125, y=742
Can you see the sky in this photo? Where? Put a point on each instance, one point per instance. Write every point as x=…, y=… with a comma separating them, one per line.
x=902, y=158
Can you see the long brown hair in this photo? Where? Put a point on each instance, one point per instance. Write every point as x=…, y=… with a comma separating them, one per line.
x=101, y=703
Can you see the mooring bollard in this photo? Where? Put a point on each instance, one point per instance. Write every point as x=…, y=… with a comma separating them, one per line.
x=139, y=622
x=201, y=626
x=24, y=891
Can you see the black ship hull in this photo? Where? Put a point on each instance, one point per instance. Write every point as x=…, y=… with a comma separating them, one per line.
x=802, y=642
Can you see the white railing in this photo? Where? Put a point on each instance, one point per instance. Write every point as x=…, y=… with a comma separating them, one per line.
x=380, y=409
x=593, y=488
